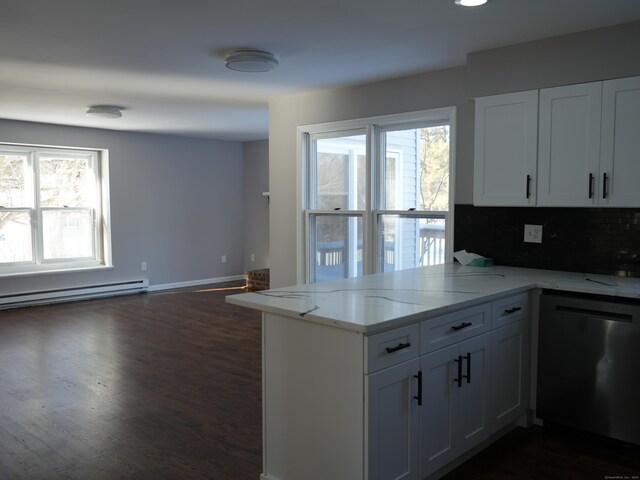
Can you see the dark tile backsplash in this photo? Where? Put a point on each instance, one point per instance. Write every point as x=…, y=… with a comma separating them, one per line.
x=593, y=240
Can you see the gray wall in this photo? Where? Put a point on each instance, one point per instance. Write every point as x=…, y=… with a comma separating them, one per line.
x=176, y=203
x=581, y=57
x=256, y=206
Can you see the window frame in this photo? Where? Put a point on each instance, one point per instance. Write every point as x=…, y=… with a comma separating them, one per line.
x=98, y=163
x=309, y=229
x=374, y=128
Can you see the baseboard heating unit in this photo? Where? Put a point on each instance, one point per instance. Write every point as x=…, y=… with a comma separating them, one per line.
x=73, y=293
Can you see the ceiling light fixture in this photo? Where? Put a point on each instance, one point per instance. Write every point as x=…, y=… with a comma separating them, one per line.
x=470, y=3
x=251, y=61
x=104, y=111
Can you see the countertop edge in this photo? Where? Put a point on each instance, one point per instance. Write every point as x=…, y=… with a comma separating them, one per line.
x=523, y=280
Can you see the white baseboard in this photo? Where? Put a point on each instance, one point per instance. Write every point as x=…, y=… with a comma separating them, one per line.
x=192, y=283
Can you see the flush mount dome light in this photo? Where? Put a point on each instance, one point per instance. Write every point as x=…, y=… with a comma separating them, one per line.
x=470, y=3
x=104, y=111
x=251, y=61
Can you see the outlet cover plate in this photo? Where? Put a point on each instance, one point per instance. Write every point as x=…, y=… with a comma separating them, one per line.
x=533, y=233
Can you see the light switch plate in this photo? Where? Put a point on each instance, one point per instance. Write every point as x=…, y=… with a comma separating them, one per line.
x=533, y=233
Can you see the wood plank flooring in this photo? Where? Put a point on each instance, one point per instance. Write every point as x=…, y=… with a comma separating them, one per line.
x=166, y=385
x=163, y=385
x=552, y=453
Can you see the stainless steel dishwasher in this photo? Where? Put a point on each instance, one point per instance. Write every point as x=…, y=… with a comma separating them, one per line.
x=589, y=364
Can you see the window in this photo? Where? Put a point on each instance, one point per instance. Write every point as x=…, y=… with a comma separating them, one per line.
x=52, y=209
x=377, y=194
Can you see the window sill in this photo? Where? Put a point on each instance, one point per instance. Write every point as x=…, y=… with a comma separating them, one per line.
x=53, y=270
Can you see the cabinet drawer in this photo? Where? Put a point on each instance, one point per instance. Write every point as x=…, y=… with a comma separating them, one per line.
x=391, y=348
x=448, y=329
x=510, y=309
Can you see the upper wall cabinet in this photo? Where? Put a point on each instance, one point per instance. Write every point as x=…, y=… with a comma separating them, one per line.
x=587, y=137
x=620, y=144
x=569, y=145
x=505, y=149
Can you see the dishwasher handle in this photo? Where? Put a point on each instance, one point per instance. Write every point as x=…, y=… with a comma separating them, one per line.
x=599, y=314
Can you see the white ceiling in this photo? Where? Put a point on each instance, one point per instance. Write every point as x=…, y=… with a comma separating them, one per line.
x=163, y=60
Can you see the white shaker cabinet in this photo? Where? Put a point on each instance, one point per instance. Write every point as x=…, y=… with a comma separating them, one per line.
x=392, y=382
x=574, y=146
x=455, y=415
x=619, y=178
x=506, y=140
x=569, y=145
x=510, y=354
x=393, y=411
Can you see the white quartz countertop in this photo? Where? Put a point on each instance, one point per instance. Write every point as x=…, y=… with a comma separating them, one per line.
x=375, y=303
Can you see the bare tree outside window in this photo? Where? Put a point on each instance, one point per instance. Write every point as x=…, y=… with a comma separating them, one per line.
x=434, y=168
x=15, y=218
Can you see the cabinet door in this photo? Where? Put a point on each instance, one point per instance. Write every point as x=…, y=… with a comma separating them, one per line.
x=393, y=437
x=437, y=430
x=473, y=416
x=509, y=371
x=506, y=140
x=569, y=145
x=619, y=159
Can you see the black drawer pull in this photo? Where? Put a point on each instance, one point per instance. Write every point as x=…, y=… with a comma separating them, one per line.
x=455, y=328
x=512, y=310
x=528, y=186
x=605, y=178
x=468, y=375
x=591, y=185
x=459, y=379
x=400, y=346
x=419, y=397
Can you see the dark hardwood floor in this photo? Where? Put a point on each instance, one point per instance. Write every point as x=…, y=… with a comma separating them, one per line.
x=163, y=385
x=552, y=453
x=166, y=385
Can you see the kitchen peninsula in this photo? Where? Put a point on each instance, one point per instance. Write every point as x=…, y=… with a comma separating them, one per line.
x=401, y=374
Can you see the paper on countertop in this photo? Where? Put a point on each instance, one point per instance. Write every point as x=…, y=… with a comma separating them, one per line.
x=465, y=258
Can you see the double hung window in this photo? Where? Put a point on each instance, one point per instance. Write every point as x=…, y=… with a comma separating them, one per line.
x=377, y=194
x=51, y=209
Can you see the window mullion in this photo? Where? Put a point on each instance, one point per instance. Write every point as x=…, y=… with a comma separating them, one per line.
x=379, y=193
x=37, y=211
x=369, y=247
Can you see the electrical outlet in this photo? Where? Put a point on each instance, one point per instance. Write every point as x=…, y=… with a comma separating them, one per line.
x=224, y=259
x=533, y=233
x=253, y=257
x=143, y=266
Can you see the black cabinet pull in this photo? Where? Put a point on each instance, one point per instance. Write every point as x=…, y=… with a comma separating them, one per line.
x=455, y=328
x=468, y=375
x=528, y=186
x=591, y=185
x=605, y=179
x=509, y=311
x=400, y=346
x=459, y=379
x=419, y=396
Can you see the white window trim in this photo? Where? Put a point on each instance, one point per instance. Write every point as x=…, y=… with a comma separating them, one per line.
x=370, y=124
x=101, y=232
